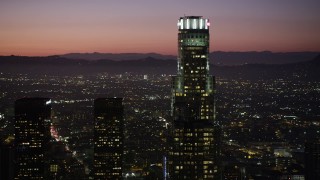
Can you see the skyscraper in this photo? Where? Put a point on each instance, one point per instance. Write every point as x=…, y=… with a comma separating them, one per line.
x=312, y=159
x=7, y=158
x=195, y=134
x=32, y=136
x=108, y=138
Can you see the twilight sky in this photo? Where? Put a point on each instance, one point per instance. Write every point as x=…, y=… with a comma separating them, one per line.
x=47, y=27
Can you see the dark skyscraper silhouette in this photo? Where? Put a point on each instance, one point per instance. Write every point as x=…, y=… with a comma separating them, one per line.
x=32, y=136
x=108, y=138
x=195, y=134
x=6, y=158
x=312, y=159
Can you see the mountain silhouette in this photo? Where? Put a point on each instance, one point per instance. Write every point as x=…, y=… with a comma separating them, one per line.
x=307, y=70
x=216, y=57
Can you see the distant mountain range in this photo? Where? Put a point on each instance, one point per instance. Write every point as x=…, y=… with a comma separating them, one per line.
x=307, y=70
x=115, y=57
x=264, y=57
x=216, y=58
x=57, y=65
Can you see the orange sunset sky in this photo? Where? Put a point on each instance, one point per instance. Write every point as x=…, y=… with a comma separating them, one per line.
x=44, y=27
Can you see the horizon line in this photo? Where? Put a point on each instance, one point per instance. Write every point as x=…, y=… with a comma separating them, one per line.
x=95, y=52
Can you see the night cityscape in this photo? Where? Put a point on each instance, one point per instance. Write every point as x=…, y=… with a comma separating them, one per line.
x=199, y=113
x=265, y=122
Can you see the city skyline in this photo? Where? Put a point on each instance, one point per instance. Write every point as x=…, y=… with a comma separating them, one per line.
x=35, y=28
x=205, y=122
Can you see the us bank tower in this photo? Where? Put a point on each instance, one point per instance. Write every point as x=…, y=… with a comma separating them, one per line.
x=195, y=136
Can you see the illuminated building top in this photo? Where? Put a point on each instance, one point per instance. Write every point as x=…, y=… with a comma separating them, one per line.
x=193, y=22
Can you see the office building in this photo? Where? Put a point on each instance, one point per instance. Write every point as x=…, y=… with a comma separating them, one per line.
x=32, y=136
x=312, y=159
x=6, y=158
x=108, y=138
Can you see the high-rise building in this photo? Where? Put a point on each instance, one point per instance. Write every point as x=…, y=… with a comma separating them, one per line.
x=108, y=138
x=195, y=134
x=7, y=158
x=32, y=136
x=312, y=159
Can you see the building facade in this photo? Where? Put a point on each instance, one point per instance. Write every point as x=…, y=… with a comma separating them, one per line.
x=108, y=138
x=32, y=136
x=195, y=137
